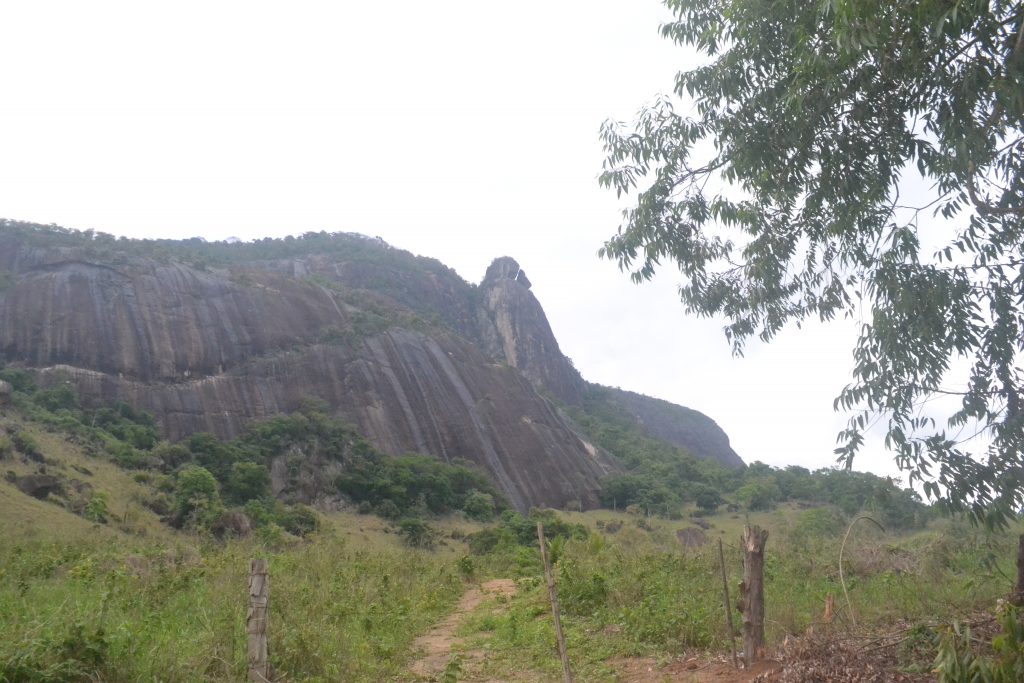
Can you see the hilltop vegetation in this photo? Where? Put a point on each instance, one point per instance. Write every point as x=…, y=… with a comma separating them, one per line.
x=198, y=482
x=663, y=479
x=318, y=456
x=203, y=254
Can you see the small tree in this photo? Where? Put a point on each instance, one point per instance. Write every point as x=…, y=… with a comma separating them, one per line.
x=196, y=498
x=247, y=481
x=96, y=509
x=761, y=494
x=416, y=533
x=707, y=498
x=479, y=506
x=24, y=442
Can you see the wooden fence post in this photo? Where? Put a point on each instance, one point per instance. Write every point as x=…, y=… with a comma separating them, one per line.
x=725, y=601
x=256, y=623
x=1017, y=596
x=566, y=674
x=752, y=593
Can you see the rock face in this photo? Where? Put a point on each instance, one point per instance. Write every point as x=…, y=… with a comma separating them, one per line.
x=209, y=337
x=38, y=485
x=513, y=327
x=684, y=427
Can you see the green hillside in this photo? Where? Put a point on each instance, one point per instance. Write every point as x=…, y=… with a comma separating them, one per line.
x=133, y=565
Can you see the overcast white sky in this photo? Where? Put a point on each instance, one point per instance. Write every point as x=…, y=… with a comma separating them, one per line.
x=458, y=129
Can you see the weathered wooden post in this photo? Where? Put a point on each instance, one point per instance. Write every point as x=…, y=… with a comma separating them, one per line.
x=256, y=623
x=1017, y=596
x=559, y=636
x=725, y=602
x=752, y=593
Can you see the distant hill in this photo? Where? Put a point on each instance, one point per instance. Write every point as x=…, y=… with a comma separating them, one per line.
x=211, y=336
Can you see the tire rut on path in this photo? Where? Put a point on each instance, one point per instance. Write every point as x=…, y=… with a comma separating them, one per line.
x=438, y=643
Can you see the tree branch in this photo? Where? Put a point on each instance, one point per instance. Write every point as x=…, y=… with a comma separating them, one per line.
x=984, y=208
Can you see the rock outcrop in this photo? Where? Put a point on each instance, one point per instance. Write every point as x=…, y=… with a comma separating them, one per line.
x=513, y=327
x=210, y=337
x=39, y=485
x=687, y=428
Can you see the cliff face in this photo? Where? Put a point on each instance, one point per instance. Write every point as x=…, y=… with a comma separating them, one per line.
x=210, y=337
x=683, y=427
x=513, y=326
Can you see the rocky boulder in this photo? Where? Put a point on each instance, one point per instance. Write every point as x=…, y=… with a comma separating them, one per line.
x=39, y=485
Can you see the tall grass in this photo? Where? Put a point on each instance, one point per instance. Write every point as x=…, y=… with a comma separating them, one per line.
x=85, y=611
x=624, y=597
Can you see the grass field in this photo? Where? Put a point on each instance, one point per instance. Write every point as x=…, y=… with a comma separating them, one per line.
x=133, y=600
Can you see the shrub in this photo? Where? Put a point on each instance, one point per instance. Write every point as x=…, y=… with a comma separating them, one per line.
x=514, y=530
x=416, y=533
x=24, y=442
x=247, y=481
x=96, y=508
x=761, y=494
x=299, y=520
x=20, y=380
x=479, y=506
x=60, y=397
x=196, y=499
x=388, y=510
x=707, y=498
x=958, y=662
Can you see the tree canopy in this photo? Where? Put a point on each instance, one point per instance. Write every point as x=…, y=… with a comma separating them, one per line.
x=859, y=159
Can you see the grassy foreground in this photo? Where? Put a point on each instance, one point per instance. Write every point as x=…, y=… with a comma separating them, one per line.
x=99, y=608
x=131, y=599
x=637, y=592
x=94, y=603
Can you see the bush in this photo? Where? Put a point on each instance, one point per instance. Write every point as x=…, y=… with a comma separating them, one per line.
x=514, y=531
x=247, y=481
x=196, y=498
x=24, y=442
x=96, y=508
x=707, y=498
x=414, y=484
x=416, y=533
x=479, y=506
x=61, y=397
x=759, y=495
x=299, y=520
x=171, y=456
x=20, y=380
x=388, y=510
x=957, y=660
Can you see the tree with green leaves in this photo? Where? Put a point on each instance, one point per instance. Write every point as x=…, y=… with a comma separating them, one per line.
x=196, y=497
x=860, y=159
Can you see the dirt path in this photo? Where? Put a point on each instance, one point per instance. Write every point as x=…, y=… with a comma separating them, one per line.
x=438, y=643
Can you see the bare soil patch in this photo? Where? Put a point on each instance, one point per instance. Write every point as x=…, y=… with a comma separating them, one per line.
x=691, y=670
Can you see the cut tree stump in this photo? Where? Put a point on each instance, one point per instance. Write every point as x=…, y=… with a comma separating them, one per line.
x=752, y=593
